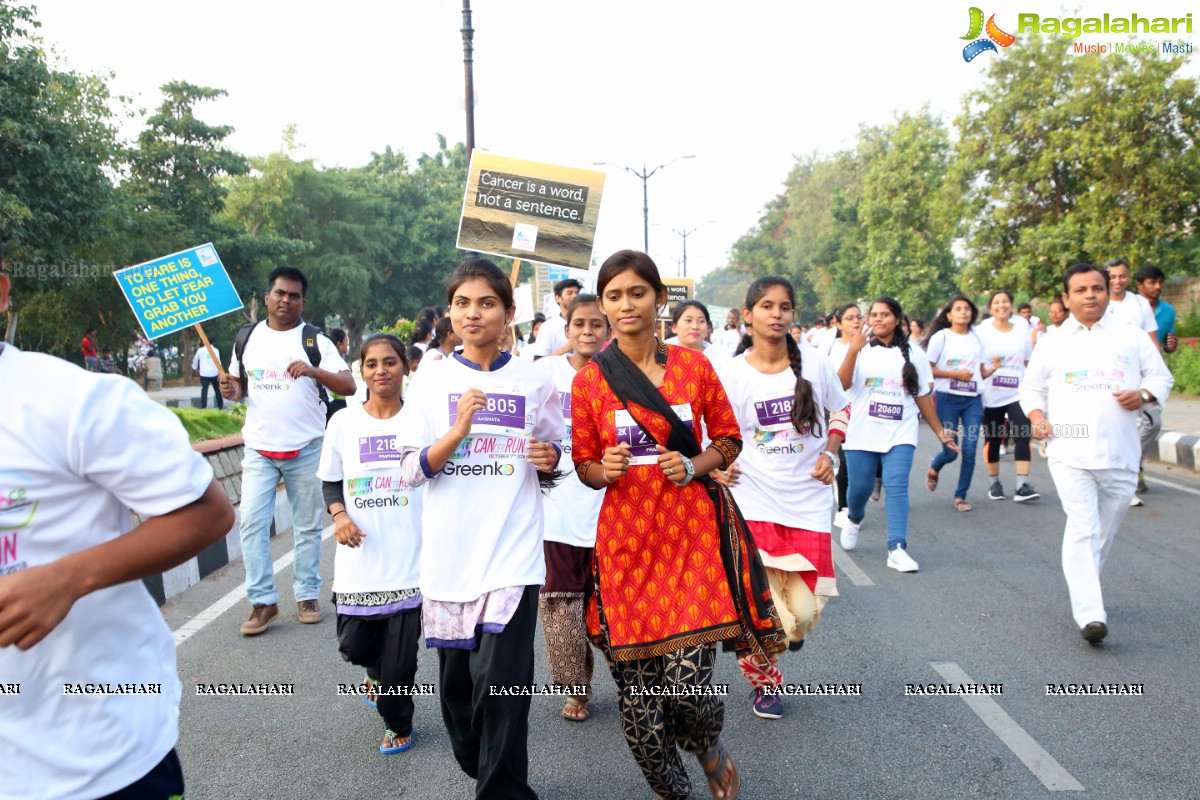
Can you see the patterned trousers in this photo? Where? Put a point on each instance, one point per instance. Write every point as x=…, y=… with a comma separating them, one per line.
x=567, y=647
x=655, y=726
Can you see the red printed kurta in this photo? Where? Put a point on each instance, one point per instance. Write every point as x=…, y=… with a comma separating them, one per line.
x=660, y=577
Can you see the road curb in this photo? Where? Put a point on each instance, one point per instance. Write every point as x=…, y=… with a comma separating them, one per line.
x=1180, y=449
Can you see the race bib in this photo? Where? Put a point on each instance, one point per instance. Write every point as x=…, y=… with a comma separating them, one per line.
x=641, y=446
x=564, y=398
x=889, y=409
x=1006, y=381
x=967, y=387
x=774, y=414
x=376, y=451
x=504, y=414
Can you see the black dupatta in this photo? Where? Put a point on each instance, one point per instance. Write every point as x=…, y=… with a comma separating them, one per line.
x=744, y=571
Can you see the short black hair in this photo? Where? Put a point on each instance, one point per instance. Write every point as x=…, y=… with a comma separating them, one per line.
x=1115, y=262
x=291, y=274
x=337, y=335
x=1079, y=269
x=1149, y=272
x=428, y=313
x=1058, y=300
x=565, y=284
x=1024, y=306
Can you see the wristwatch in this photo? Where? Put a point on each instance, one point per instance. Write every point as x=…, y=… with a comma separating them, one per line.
x=689, y=468
x=833, y=459
x=1146, y=396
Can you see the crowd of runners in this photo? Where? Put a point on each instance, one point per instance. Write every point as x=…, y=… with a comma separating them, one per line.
x=647, y=499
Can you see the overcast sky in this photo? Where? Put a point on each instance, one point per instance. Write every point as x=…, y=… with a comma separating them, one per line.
x=744, y=87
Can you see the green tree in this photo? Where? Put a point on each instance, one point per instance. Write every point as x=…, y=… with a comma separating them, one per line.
x=58, y=145
x=1065, y=159
x=909, y=212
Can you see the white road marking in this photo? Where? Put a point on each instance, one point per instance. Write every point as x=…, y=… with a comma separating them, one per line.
x=201, y=620
x=1180, y=487
x=1032, y=755
x=848, y=568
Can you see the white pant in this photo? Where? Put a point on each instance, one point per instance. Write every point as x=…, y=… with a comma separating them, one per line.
x=1095, y=502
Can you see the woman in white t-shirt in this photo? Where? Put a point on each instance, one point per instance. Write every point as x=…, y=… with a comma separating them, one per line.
x=848, y=320
x=1006, y=351
x=569, y=538
x=955, y=356
x=888, y=380
x=691, y=325
x=482, y=429
x=782, y=480
x=377, y=524
x=445, y=340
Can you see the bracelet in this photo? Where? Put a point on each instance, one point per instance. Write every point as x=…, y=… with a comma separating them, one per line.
x=334, y=514
x=603, y=473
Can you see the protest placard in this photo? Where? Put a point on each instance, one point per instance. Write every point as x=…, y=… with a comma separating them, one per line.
x=530, y=210
x=678, y=290
x=181, y=289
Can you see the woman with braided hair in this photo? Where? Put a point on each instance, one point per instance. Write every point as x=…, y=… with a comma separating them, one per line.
x=888, y=379
x=782, y=482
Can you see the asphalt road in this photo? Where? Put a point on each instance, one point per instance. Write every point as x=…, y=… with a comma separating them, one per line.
x=989, y=604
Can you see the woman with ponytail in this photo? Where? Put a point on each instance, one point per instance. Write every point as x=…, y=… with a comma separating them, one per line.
x=888, y=379
x=782, y=481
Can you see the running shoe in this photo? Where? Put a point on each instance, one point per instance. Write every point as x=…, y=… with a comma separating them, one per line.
x=1094, y=632
x=1025, y=493
x=767, y=706
x=901, y=561
x=1136, y=502
x=996, y=492
x=850, y=535
x=841, y=519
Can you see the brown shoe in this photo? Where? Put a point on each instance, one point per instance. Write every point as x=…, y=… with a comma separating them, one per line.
x=261, y=617
x=309, y=611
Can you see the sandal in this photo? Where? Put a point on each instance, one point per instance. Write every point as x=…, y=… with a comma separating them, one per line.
x=931, y=480
x=391, y=736
x=370, y=691
x=960, y=504
x=575, y=710
x=716, y=763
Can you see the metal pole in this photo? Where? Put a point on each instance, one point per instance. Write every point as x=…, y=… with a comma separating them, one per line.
x=467, y=35
x=685, y=254
x=645, y=207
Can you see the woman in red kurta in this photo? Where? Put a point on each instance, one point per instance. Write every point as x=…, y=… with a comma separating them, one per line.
x=662, y=597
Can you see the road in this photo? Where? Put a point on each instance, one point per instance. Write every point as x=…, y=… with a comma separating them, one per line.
x=989, y=604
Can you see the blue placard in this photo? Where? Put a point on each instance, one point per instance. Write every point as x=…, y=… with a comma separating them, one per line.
x=555, y=274
x=175, y=291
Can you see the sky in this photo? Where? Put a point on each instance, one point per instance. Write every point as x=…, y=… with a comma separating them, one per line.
x=745, y=88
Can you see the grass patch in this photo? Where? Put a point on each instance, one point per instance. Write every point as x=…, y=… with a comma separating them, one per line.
x=1185, y=366
x=202, y=424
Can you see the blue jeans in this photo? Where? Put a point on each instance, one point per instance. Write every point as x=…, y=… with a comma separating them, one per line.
x=897, y=463
x=955, y=410
x=260, y=479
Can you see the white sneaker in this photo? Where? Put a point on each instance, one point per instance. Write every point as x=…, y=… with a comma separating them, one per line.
x=1135, y=502
x=901, y=561
x=850, y=535
x=841, y=519
x=1003, y=451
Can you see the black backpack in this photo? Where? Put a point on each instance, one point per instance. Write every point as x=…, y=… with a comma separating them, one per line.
x=308, y=337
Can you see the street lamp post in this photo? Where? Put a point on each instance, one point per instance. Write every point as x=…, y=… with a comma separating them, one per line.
x=684, y=234
x=468, y=34
x=645, y=175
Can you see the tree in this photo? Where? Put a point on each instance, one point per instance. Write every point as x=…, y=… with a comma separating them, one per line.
x=58, y=151
x=176, y=176
x=1066, y=159
x=909, y=212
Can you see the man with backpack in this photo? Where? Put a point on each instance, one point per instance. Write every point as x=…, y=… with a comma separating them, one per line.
x=284, y=368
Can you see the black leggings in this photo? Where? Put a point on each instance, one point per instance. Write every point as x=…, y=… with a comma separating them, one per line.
x=995, y=431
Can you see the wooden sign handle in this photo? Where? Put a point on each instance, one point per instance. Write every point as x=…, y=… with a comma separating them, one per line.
x=211, y=354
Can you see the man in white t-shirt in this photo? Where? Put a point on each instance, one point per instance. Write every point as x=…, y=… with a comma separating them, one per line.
x=552, y=336
x=285, y=425
x=1082, y=391
x=1136, y=310
x=204, y=366
x=96, y=710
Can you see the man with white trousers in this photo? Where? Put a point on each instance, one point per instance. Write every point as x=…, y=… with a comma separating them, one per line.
x=1082, y=391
